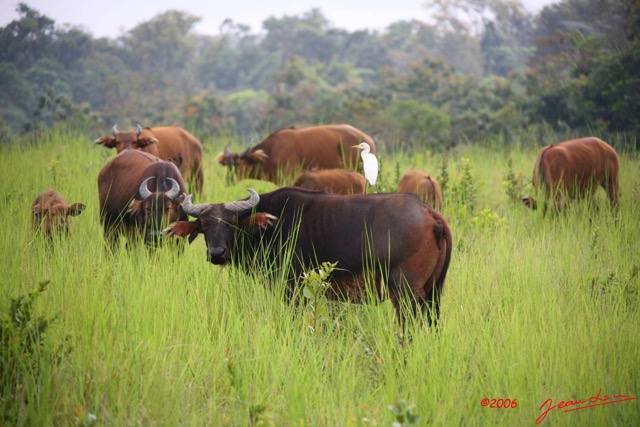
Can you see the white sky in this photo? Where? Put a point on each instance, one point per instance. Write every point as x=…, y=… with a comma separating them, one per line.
x=112, y=18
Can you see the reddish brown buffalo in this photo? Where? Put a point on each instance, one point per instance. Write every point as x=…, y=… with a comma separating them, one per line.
x=139, y=194
x=171, y=143
x=287, y=152
x=424, y=185
x=574, y=169
x=337, y=181
x=50, y=213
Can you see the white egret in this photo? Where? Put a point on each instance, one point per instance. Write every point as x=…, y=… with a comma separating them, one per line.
x=369, y=162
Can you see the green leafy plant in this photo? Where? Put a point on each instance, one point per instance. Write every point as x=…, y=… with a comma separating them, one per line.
x=21, y=343
x=514, y=184
x=404, y=414
x=488, y=220
x=463, y=189
x=443, y=179
x=315, y=284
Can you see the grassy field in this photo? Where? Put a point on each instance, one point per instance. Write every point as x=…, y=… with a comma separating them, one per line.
x=534, y=309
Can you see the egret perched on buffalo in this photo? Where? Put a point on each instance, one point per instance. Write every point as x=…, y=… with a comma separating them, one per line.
x=369, y=162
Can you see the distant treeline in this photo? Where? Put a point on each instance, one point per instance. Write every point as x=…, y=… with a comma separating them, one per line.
x=480, y=69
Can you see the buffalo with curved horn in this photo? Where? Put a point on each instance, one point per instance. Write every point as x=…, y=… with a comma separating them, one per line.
x=389, y=239
x=139, y=195
x=170, y=143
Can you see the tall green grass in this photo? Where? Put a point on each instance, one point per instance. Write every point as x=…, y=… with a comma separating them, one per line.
x=534, y=308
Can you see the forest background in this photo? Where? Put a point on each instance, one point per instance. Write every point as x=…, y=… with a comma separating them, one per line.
x=481, y=69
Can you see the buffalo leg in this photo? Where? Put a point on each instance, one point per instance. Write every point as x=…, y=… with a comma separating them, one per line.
x=402, y=298
x=431, y=308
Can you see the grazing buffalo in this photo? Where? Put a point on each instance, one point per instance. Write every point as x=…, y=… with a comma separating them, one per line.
x=50, y=213
x=287, y=152
x=337, y=181
x=171, y=143
x=139, y=195
x=574, y=169
x=391, y=239
x=424, y=185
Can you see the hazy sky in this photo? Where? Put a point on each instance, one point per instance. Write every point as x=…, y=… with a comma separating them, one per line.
x=111, y=18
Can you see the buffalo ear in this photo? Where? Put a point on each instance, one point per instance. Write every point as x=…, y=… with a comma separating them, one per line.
x=144, y=141
x=261, y=219
x=106, y=141
x=183, y=229
x=135, y=206
x=257, y=156
x=76, y=209
x=36, y=209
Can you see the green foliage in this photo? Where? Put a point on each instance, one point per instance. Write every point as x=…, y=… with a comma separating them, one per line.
x=404, y=414
x=443, y=175
x=477, y=70
x=257, y=413
x=533, y=308
x=314, y=286
x=22, y=340
x=597, y=43
x=463, y=187
x=514, y=184
x=420, y=124
x=488, y=220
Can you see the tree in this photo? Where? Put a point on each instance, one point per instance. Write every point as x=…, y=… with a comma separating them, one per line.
x=583, y=75
x=307, y=37
x=420, y=124
x=24, y=41
x=16, y=96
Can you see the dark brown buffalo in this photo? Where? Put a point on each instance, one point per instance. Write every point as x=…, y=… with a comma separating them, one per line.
x=287, y=152
x=337, y=181
x=50, y=213
x=393, y=239
x=574, y=169
x=139, y=195
x=424, y=185
x=171, y=143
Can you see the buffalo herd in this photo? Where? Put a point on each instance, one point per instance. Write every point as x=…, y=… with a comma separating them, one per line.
x=389, y=245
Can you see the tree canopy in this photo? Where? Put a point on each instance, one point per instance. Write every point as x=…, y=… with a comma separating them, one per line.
x=480, y=68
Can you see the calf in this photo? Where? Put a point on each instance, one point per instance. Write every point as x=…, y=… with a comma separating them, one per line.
x=50, y=213
x=424, y=185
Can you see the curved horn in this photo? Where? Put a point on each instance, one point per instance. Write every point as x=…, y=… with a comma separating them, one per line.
x=144, y=189
x=226, y=149
x=114, y=129
x=138, y=130
x=174, y=190
x=193, y=210
x=243, y=206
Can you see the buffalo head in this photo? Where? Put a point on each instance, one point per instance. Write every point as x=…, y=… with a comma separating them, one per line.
x=153, y=210
x=219, y=223
x=246, y=164
x=529, y=202
x=134, y=139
